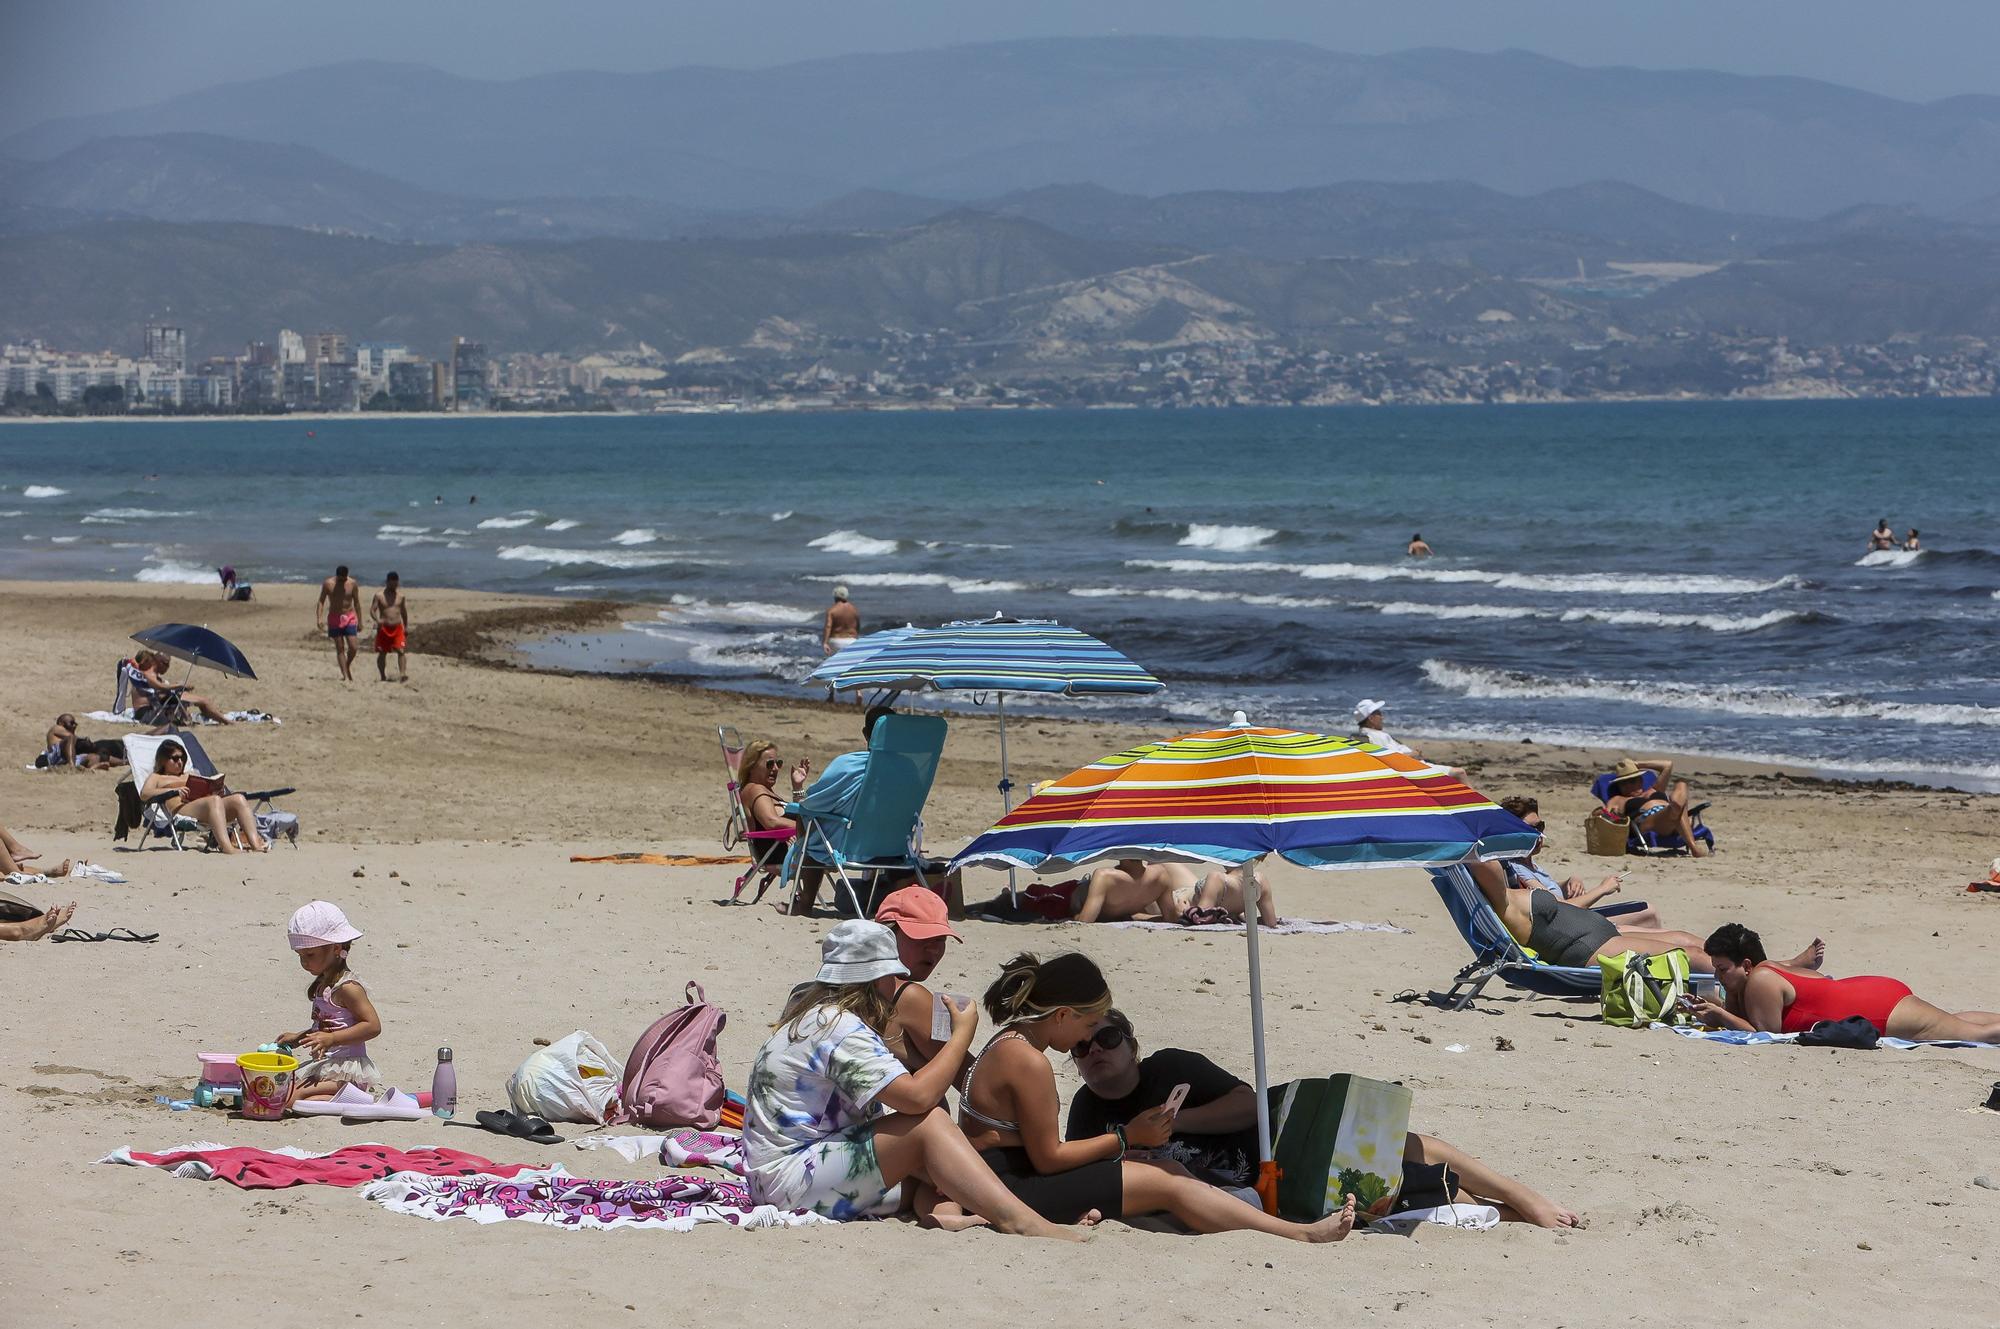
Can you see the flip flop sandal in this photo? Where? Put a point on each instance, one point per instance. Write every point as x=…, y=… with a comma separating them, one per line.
x=116, y=934
x=512, y=1123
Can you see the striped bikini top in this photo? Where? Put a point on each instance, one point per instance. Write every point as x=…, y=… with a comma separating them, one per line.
x=965, y=1108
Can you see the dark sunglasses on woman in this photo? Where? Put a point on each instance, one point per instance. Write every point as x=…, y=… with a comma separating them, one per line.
x=1104, y=1040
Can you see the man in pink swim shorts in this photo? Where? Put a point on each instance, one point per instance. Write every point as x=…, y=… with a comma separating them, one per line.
x=340, y=617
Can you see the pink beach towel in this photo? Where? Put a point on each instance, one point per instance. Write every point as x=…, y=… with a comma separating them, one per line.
x=275, y=1169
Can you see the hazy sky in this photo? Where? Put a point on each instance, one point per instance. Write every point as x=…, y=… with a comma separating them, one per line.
x=60, y=57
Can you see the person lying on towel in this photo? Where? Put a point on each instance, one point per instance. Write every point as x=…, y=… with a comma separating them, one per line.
x=1789, y=998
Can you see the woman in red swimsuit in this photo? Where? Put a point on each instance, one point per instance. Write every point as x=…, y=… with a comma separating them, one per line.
x=1782, y=998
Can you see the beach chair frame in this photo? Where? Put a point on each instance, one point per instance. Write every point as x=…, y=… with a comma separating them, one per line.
x=1495, y=952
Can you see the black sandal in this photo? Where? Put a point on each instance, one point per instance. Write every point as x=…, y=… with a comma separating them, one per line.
x=116, y=934
x=533, y=1129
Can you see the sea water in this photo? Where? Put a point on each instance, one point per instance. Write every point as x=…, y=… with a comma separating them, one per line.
x=1646, y=576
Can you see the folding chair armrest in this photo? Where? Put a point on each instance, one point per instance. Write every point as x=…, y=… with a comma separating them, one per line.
x=262, y=794
x=1622, y=907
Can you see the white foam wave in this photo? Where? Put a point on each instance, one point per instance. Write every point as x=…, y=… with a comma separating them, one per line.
x=1482, y=683
x=453, y=530
x=957, y=585
x=64, y=539
x=734, y=611
x=854, y=543
x=729, y=652
x=504, y=523
x=326, y=521
x=1202, y=536
x=638, y=535
x=13, y=512
x=786, y=515
x=1651, y=618
x=1889, y=558
x=393, y=529
x=100, y=521
x=603, y=558
x=579, y=586
x=136, y=514
x=562, y=524
x=1552, y=583
x=42, y=491
x=1189, y=593
x=405, y=541
x=175, y=572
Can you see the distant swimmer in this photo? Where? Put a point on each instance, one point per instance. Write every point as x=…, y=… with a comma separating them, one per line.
x=1418, y=549
x=1910, y=541
x=1882, y=537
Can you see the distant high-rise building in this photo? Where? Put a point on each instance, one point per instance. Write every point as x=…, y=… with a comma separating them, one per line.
x=291, y=347
x=166, y=346
x=468, y=375
x=330, y=347
x=412, y=384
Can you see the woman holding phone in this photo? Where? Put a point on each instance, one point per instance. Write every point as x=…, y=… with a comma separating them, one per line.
x=1008, y=1108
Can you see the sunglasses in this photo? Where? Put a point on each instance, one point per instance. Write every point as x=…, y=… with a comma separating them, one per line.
x=1103, y=1040
x=774, y=762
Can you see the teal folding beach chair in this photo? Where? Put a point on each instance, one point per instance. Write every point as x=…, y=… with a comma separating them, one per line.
x=879, y=833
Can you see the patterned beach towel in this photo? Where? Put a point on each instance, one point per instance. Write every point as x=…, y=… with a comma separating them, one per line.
x=674, y=1202
x=275, y=1169
x=1285, y=925
x=1747, y=1038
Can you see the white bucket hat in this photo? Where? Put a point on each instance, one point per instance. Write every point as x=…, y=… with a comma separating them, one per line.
x=1366, y=707
x=320, y=924
x=857, y=951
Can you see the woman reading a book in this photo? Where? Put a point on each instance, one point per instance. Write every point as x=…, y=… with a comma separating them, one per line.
x=1008, y=1108
x=204, y=798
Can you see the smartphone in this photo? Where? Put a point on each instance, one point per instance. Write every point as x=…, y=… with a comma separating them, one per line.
x=1176, y=1098
x=943, y=1005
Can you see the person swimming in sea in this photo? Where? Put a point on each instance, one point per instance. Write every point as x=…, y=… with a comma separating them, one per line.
x=1882, y=537
x=1911, y=543
x=1417, y=548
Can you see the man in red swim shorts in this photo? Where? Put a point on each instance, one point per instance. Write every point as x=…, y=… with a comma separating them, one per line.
x=391, y=612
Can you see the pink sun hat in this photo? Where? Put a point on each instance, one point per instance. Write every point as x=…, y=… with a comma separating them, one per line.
x=320, y=924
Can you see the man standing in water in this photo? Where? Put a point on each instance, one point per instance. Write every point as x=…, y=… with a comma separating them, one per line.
x=1417, y=547
x=391, y=613
x=340, y=617
x=1883, y=536
x=843, y=623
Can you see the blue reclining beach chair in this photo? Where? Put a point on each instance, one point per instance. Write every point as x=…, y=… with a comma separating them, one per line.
x=880, y=830
x=1648, y=842
x=1497, y=954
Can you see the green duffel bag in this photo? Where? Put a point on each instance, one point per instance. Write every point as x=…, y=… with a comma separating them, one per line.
x=1644, y=989
x=1337, y=1136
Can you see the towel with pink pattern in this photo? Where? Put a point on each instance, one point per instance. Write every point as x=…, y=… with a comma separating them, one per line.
x=674, y=1202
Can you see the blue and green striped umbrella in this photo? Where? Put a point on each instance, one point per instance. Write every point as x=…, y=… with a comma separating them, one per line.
x=999, y=655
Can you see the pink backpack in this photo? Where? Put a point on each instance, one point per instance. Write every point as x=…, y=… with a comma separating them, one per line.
x=673, y=1077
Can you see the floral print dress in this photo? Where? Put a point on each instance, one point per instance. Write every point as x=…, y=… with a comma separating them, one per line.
x=808, y=1123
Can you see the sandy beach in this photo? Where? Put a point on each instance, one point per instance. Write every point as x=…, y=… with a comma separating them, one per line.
x=1775, y=1185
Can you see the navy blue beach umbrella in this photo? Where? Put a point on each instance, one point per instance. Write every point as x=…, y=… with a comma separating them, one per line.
x=197, y=646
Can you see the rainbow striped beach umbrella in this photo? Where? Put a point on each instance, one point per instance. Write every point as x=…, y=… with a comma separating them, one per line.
x=1235, y=795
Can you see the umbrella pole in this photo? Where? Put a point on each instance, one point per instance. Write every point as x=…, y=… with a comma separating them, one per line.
x=1006, y=786
x=1267, y=1169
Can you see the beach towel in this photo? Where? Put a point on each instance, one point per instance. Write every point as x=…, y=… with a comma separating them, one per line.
x=676, y=1202
x=1285, y=926
x=276, y=1169
x=664, y=860
x=1758, y=1038
x=235, y=717
x=687, y=1147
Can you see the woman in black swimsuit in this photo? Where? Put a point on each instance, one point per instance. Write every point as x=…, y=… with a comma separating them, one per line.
x=1009, y=1109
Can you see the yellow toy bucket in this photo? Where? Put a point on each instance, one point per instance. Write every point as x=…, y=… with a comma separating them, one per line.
x=267, y=1084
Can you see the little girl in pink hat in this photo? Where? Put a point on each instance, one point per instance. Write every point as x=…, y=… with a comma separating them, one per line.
x=334, y=1050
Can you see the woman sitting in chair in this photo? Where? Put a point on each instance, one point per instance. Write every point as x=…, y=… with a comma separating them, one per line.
x=1651, y=812
x=756, y=780
x=152, y=669
x=216, y=810
x=1789, y=998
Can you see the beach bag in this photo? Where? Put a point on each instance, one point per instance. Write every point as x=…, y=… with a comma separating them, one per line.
x=571, y=1080
x=1602, y=835
x=1643, y=989
x=1340, y=1135
x=673, y=1077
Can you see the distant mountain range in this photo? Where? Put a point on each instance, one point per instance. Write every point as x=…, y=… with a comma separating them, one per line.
x=1022, y=291
x=1141, y=115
